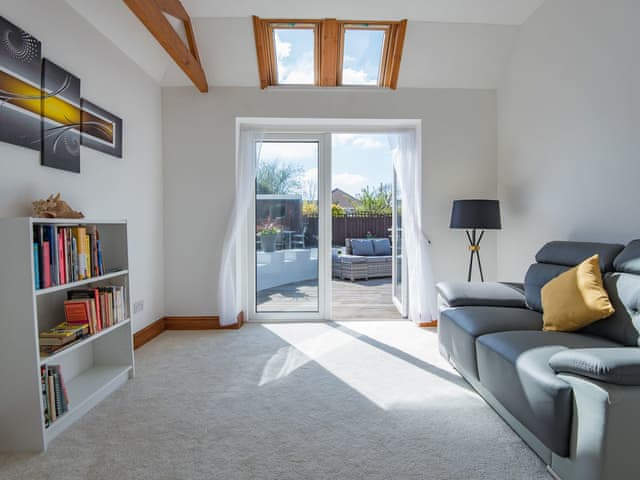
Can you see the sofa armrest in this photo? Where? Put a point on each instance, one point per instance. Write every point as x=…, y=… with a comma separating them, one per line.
x=481, y=294
x=618, y=366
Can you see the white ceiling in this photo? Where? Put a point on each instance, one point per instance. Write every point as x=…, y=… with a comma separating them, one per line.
x=464, y=43
x=501, y=12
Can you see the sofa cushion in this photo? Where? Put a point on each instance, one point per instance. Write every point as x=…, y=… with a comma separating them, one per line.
x=624, y=325
x=575, y=298
x=361, y=246
x=571, y=254
x=514, y=367
x=458, y=329
x=620, y=366
x=459, y=294
x=557, y=257
x=538, y=275
x=628, y=261
x=381, y=246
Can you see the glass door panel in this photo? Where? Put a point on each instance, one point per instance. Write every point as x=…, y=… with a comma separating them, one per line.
x=287, y=270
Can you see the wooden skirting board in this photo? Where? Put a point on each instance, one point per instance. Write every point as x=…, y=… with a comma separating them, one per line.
x=150, y=332
x=431, y=324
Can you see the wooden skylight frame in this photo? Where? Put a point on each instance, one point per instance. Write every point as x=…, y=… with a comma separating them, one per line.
x=329, y=35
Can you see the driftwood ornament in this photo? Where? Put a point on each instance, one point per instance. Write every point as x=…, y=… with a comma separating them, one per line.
x=53, y=207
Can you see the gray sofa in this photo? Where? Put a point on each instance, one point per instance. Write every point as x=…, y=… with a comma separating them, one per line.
x=363, y=258
x=574, y=398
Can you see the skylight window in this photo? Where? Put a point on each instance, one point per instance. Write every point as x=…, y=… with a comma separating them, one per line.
x=362, y=56
x=329, y=52
x=295, y=58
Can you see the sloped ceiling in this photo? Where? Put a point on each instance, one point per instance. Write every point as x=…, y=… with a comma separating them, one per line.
x=449, y=44
x=500, y=12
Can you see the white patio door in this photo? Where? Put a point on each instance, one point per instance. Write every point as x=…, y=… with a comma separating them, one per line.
x=399, y=282
x=289, y=233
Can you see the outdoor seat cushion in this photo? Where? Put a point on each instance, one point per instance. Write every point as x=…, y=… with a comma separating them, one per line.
x=459, y=327
x=381, y=246
x=514, y=367
x=488, y=294
x=380, y=259
x=353, y=259
x=361, y=246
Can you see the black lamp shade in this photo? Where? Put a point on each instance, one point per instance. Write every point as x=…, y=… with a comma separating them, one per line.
x=480, y=214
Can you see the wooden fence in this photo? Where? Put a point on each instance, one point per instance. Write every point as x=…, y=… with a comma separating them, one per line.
x=352, y=225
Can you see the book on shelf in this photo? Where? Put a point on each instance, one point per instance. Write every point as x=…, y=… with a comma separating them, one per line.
x=100, y=307
x=63, y=334
x=55, y=399
x=66, y=254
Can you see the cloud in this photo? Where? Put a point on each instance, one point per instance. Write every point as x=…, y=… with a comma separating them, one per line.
x=288, y=151
x=356, y=77
x=302, y=72
x=310, y=175
x=362, y=141
x=283, y=49
x=350, y=182
x=293, y=70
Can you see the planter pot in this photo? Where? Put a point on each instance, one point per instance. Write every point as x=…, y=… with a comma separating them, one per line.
x=268, y=243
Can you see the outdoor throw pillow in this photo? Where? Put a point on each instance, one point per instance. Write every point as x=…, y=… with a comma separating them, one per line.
x=381, y=246
x=575, y=298
x=362, y=246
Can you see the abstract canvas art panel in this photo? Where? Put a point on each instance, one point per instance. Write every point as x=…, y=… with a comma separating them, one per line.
x=61, y=118
x=101, y=130
x=20, y=95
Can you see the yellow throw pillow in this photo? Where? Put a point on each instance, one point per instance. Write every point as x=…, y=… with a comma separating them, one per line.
x=575, y=298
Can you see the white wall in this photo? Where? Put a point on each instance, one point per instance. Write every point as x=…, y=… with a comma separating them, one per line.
x=459, y=161
x=569, y=129
x=108, y=187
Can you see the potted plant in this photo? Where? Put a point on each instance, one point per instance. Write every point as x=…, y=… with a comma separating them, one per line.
x=268, y=234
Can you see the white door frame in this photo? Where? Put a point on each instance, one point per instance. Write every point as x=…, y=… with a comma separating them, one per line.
x=402, y=303
x=319, y=127
x=324, y=236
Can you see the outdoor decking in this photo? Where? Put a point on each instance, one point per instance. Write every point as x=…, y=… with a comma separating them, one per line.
x=362, y=299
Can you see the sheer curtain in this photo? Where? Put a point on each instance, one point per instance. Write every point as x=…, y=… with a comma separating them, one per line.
x=422, y=305
x=229, y=294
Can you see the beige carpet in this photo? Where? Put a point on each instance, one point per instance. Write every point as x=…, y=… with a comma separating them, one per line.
x=353, y=400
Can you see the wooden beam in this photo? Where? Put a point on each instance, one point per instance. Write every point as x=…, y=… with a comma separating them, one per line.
x=173, y=8
x=150, y=13
x=329, y=52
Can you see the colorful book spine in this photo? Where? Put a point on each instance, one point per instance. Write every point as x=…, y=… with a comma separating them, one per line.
x=46, y=264
x=55, y=398
x=36, y=265
x=45, y=396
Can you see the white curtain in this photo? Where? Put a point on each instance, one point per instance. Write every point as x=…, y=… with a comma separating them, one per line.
x=422, y=305
x=229, y=295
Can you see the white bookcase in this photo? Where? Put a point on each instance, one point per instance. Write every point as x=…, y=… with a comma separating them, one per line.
x=92, y=368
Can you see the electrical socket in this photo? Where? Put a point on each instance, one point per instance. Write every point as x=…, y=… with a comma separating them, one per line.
x=138, y=306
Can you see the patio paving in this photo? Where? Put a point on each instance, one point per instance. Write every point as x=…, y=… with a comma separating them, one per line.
x=362, y=299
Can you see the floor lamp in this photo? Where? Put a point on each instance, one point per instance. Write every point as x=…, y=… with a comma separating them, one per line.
x=474, y=215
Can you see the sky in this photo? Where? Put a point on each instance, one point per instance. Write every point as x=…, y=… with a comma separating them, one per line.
x=295, y=52
x=358, y=160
